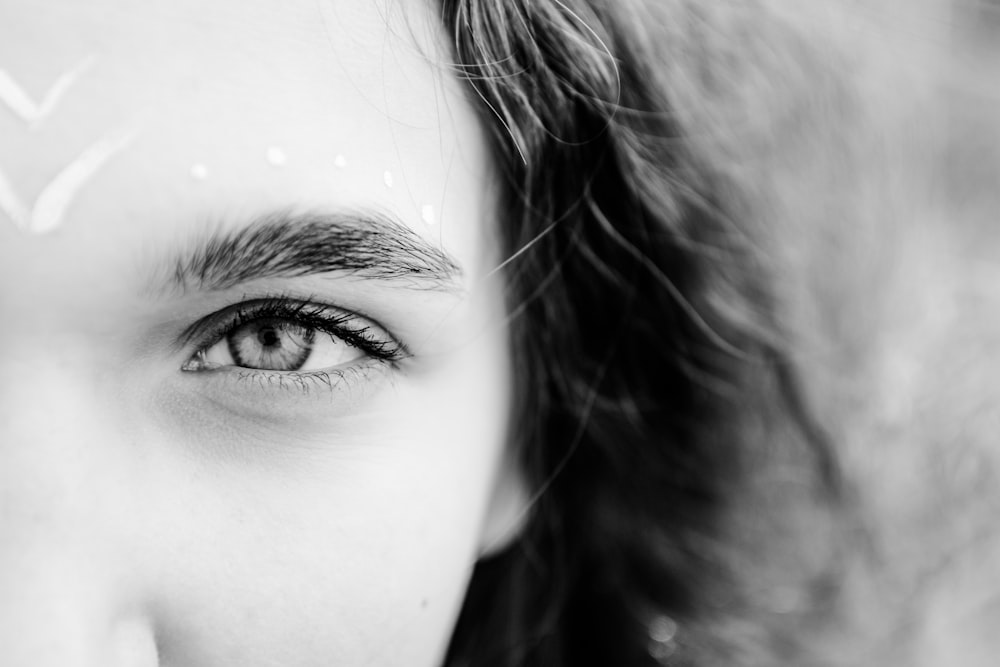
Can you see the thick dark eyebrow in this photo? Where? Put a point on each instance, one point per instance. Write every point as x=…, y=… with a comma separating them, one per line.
x=289, y=245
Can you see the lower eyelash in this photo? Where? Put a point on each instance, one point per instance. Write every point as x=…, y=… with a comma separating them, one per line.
x=310, y=381
x=292, y=399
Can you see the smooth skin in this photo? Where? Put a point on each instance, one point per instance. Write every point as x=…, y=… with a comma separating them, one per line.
x=148, y=513
x=151, y=515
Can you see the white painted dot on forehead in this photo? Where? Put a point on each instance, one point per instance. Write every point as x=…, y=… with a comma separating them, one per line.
x=387, y=179
x=340, y=161
x=199, y=172
x=427, y=214
x=276, y=157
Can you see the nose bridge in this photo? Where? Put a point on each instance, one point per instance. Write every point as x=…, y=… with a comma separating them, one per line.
x=49, y=613
x=65, y=611
x=64, y=568
x=64, y=481
x=49, y=462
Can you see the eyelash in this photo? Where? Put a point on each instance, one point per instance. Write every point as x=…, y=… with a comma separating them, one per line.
x=353, y=329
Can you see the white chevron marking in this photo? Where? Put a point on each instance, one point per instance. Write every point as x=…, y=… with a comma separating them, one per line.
x=33, y=113
x=51, y=204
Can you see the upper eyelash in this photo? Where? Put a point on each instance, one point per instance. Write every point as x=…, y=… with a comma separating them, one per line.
x=328, y=319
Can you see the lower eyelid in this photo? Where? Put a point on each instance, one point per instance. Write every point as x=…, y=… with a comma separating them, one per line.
x=254, y=390
x=306, y=381
x=242, y=410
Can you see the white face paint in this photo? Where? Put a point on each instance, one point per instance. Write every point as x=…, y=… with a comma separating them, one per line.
x=276, y=157
x=161, y=500
x=54, y=199
x=427, y=214
x=13, y=95
x=49, y=208
x=199, y=172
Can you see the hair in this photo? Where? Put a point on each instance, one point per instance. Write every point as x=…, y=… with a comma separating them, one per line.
x=650, y=382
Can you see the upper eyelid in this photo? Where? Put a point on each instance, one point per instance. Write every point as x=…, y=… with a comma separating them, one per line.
x=205, y=327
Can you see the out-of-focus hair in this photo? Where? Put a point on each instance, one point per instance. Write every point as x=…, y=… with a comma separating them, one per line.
x=650, y=377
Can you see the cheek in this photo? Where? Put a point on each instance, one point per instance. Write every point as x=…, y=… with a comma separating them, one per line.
x=349, y=541
x=360, y=575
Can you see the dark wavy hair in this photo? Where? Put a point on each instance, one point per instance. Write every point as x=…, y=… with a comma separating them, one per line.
x=649, y=380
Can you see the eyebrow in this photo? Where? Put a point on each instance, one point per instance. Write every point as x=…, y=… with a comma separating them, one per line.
x=283, y=244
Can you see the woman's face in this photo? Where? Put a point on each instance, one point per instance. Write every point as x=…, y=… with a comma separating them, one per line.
x=255, y=383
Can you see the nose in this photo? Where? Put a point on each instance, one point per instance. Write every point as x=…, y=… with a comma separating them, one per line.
x=58, y=613
x=68, y=594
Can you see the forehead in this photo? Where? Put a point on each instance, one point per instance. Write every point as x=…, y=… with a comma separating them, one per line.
x=377, y=47
x=234, y=107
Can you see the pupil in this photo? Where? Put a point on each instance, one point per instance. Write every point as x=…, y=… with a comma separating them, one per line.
x=268, y=337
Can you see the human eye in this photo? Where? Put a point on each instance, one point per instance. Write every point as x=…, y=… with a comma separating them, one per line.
x=287, y=341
